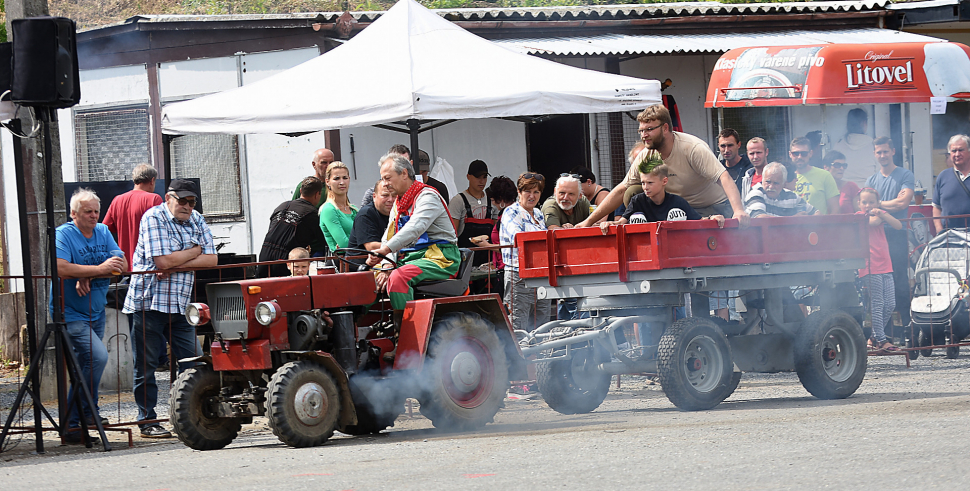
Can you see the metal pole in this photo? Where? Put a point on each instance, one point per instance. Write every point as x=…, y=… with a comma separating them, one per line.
x=414, y=125
x=167, y=164
x=29, y=300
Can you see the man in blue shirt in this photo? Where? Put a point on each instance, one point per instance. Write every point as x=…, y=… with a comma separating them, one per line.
x=171, y=235
x=951, y=197
x=87, y=256
x=895, y=186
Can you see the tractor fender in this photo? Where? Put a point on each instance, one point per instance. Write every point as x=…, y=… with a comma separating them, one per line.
x=207, y=359
x=348, y=415
x=420, y=315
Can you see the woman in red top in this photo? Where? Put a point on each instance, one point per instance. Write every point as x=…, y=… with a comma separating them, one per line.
x=835, y=163
x=878, y=273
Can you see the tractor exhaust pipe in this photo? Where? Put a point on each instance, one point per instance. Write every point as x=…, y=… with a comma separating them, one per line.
x=344, y=339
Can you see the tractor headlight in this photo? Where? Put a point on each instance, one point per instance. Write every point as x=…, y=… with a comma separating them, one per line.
x=267, y=312
x=197, y=314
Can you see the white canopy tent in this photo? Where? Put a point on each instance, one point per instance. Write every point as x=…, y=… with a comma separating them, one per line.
x=409, y=65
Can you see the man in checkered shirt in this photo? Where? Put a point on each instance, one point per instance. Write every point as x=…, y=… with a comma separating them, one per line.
x=171, y=235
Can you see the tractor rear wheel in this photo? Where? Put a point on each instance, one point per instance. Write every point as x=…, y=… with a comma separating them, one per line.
x=574, y=386
x=194, y=420
x=303, y=404
x=695, y=364
x=830, y=354
x=466, y=373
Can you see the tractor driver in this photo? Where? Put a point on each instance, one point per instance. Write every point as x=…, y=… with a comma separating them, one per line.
x=420, y=233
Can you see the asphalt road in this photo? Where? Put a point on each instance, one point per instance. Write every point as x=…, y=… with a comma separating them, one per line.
x=903, y=429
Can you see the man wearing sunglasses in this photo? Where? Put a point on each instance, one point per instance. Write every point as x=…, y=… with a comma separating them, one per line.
x=816, y=186
x=171, y=235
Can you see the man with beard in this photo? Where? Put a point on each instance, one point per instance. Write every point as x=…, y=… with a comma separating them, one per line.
x=564, y=209
x=694, y=172
x=567, y=206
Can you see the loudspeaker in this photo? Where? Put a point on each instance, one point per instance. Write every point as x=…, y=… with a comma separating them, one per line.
x=44, y=62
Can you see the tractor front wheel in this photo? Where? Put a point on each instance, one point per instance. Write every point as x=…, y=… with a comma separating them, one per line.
x=303, y=404
x=466, y=372
x=192, y=416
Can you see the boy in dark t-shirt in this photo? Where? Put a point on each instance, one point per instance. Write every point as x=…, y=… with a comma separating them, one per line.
x=655, y=204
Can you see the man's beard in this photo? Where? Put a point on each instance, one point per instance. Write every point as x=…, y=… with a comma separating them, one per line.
x=654, y=144
x=566, y=206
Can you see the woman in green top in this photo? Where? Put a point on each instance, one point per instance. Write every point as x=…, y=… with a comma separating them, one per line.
x=337, y=214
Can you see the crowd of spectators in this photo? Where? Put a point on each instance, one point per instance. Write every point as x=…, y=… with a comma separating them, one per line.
x=407, y=216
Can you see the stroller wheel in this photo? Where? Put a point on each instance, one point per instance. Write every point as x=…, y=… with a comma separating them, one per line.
x=911, y=344
x=953, y=352
x=924, y=340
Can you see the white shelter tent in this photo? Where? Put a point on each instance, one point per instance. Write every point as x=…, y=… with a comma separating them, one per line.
x=409, y=65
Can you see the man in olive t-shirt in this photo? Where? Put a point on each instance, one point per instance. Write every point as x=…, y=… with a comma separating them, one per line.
x=695, y=174
x=567, y=206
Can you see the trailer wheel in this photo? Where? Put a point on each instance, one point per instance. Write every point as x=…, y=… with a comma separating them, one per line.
x=303, y=404
x=194, y=421
x=574, y=386
x=830, y=354
x=695, y=364
x=467, y=373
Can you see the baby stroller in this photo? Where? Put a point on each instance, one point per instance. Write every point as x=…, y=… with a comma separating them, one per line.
x=939, y=305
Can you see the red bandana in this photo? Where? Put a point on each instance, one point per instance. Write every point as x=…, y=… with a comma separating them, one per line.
x=405, y=203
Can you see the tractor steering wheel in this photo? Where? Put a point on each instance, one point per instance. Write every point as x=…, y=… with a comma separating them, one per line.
x=341, y=254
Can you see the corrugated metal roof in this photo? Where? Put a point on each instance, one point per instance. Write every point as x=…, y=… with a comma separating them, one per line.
x=624, y=44
x=921, y=4
x=673, y=9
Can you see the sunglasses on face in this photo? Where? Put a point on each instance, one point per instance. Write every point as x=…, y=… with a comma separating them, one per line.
x=187, y=201
x=531, y=175
x=798, y=153
x=840, y=165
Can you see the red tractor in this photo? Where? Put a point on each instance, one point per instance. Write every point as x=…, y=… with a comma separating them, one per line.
x=274, y=354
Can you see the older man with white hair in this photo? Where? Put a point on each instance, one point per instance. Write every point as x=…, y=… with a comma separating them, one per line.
x=568, y=205
x=951, y=196
x=769, y=198
x=87, y=256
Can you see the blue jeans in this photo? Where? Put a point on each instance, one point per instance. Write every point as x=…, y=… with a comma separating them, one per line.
x=150, y=331
x=568, y=310
x=91, y=354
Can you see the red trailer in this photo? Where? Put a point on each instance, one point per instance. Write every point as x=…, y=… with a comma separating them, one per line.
x=632, y=278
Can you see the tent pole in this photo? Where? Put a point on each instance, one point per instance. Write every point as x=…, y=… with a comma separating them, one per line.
x=414, y=126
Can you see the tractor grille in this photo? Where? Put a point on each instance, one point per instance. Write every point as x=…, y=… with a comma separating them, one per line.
x=229, y=309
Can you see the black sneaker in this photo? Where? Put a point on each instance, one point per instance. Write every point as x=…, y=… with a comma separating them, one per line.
x=155, y=431
x=90, y=422
x=74, y=437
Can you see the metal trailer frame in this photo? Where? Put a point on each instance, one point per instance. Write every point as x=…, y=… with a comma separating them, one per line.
x=634, y=275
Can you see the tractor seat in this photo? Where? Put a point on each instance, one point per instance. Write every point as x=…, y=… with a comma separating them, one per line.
x=448, y=288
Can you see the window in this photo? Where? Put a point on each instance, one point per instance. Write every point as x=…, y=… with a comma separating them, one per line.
x=616, y=135
x=770, y=123
x=214, y=159
x=110, y=143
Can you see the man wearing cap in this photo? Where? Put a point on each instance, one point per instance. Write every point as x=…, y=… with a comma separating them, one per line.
x=171, y=235
x=472, y=211
x=423, y=167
